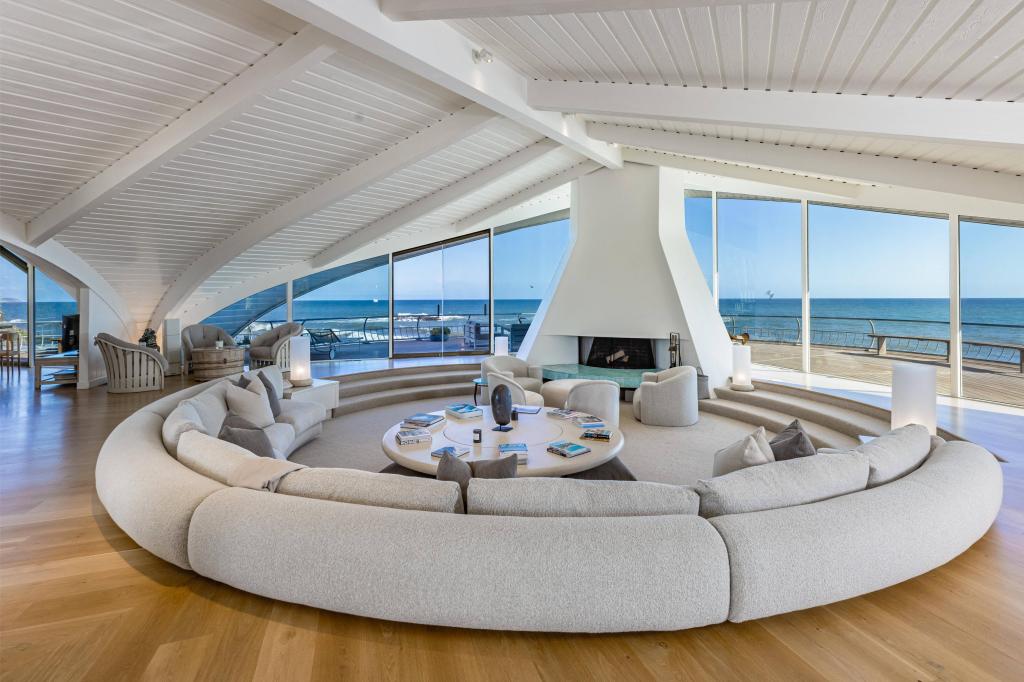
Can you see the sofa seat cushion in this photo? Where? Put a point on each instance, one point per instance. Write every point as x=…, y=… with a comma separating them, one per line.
x=783, y=484
x=301, y=414
x=377, y=490
x=576, y=497
x=281, y=438
x=181, y=419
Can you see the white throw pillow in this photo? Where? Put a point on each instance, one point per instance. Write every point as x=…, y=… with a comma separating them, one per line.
x=182, y=418
x=273, y=373
x=210, y=456
x=746, y=452
x=783, y=484
x=211, y=406
x=250, y=405
x=897, y=453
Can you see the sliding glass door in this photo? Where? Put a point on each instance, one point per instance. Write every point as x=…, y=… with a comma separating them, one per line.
x=441, y=298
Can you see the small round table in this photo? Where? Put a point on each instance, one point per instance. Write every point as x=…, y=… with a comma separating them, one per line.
x=215, y=363
x=536, y=430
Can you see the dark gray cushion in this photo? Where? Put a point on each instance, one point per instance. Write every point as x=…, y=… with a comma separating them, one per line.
x=242, y=382
x=451, y=468
x=791, y=442
x=275, y=404
x=245, y=434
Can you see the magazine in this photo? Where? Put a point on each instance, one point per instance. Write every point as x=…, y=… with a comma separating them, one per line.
x=463, y=411
x=559, y=413
x=454, y=451
x=412, y=436
x=597, y=434
x=519, y=449
x=421, y=420
x=588, y=421
x=567, y=448
x=526, y=409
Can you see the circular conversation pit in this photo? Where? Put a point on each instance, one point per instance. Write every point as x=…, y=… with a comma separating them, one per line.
x=536, y=553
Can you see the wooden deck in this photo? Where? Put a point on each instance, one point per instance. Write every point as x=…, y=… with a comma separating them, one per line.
x=995, y=382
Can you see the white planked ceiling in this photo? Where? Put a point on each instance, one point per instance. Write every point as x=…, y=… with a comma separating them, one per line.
x=997, y=159
x=912, y=48
x=86, y=81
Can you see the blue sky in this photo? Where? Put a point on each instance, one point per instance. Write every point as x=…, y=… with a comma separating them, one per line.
x=854, y=253
x=13, y=285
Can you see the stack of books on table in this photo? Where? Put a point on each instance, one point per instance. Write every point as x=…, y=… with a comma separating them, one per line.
x=566, y=448
x=453, y=450
x=463, y=411
x=519, y=449
x=413, y=436
x=588, y=421
x=597, y=434
x=421, y=420
x=559, y=413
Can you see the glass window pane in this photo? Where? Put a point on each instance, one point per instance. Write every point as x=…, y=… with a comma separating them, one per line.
x=252, y=315
x=525, y=261
x=53, y=306
x=879, y=286
x=345, y=310
x=14, y=297
x=697, y=211
x=467, y=294
x=759, y=276
x=418, y=288
x=992, y=311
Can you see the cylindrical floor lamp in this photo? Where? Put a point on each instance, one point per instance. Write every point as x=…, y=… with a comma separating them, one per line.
x=741, y=368
x=913, y=395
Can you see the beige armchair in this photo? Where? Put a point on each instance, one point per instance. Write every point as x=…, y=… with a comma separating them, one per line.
x=520, y=396
x=667, y=398
x=273, y=347
x=202, y=336
x=597, y=397
x=131, y=368
x=527, y=376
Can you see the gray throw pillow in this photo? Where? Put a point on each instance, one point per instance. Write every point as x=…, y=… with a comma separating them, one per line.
x=275, y=403
x=504, y=467
x=451, y=468
x=791, y=442
x=245, y=434
x=242, y=382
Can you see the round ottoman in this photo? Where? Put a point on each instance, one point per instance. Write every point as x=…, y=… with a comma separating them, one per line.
x=556, y=392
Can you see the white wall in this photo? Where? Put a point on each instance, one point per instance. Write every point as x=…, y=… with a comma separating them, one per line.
x=630, y=273
x=96, y=316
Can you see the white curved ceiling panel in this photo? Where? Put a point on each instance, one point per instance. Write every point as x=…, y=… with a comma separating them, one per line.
x=86, y=81
x=912, y=48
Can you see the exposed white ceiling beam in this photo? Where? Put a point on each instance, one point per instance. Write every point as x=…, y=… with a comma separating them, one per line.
x=439, y=53
x=419, y=10
x=412, y=212
x=860, y=167
x=730, y=170
x=475, y=220
x=296, y=55
x=421, y=145
x=937, y=120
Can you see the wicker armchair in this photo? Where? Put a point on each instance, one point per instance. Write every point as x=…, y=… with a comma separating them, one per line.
x=131, y=368
x=272, y=347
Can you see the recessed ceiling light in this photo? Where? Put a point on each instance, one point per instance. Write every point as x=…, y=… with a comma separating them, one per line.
x=482, y=56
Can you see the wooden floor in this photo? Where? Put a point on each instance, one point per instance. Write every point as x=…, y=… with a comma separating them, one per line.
x=990, y=381
x=80, y=601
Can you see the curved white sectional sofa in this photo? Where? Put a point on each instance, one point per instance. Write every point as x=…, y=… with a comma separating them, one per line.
x=567, y=574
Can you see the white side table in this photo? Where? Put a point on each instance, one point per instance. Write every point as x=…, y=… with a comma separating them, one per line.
x=322, y=391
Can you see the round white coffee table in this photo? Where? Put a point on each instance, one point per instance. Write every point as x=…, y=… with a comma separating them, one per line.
x=536, y=430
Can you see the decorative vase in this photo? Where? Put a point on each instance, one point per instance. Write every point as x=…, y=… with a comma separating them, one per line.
x=501, y=407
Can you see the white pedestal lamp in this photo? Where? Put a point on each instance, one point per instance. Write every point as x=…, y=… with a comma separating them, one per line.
x=913, y=395
x=299, y=361
x=741, y=368
x=501, y=345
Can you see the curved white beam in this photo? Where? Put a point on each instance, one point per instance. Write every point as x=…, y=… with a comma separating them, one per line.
x=410, y=213
x=297, y=54
x=861, y=167
x=420, y=10
x=936, y=120
x=439, y=53
x=424, y=143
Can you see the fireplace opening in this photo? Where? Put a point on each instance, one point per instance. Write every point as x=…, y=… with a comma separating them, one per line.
x=618, y=353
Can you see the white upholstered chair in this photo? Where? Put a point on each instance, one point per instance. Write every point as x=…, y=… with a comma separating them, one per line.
x=597, y=397
x=527, y=376
x=520, y=396
x=667, y=398
x=131, y=368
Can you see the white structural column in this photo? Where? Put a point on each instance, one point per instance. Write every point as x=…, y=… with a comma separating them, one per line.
x=289, y=311
x=805, y=289
x=31, y=314
x=409, y=151
x=935, y=120
x=296, y=55
x=860, y=167
x=714, y=248
x=410, y=213
x=439, y=53
x=476, y=220
x=419, y=10
x=956, y=346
